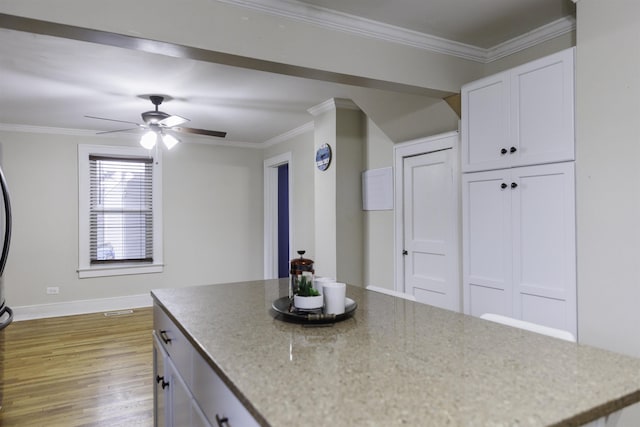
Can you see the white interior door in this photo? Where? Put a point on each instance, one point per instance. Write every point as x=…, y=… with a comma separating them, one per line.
x=430, y=222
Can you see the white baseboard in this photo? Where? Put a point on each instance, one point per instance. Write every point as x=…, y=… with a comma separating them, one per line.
x=69, y=308
x=391, y=292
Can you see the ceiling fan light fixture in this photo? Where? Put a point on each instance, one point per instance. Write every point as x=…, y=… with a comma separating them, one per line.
x=148, y=140
x=172, y=121
x=169, y=141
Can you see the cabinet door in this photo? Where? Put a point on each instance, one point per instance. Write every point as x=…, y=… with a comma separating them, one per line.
x=159, y=395
x=542, y=103
x=180, y=401
x=485, y=123
x=544, y=253
x=486, y=217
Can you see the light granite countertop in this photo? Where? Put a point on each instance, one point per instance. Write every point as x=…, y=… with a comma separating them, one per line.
x=394, y=363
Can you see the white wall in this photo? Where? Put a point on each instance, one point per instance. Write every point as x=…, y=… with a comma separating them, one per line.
x=608, y=188
x=212, y=219
x=378, y=225
x=607, y=183
x=302, y=166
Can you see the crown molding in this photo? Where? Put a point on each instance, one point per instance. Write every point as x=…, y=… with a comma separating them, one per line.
x=8, y=127
x=352, y=24
x=305, y=128
x=532, y=38
x=333, y=104
x=340, y=21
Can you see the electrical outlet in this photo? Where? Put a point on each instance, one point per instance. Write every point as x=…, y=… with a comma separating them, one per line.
x=53, y=290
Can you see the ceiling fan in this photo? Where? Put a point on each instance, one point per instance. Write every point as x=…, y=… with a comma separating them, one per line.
x=158, y=123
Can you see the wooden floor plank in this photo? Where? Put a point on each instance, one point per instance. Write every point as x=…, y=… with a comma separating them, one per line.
x=87, y=370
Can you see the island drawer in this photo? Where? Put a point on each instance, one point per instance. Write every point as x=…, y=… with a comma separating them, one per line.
x=174, y=342
x=215, y=399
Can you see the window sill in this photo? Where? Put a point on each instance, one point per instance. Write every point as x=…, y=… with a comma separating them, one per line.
x=119, y=270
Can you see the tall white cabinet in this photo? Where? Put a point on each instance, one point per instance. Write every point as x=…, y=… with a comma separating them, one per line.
x=518, y=193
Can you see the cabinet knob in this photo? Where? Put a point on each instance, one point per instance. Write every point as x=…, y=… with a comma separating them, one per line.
x=503, y=151
x=503, y=185
x=165, y=338
x=514, y=185
x=404, y=252
x=222, y=422
x=162, y=382
x=513, y=150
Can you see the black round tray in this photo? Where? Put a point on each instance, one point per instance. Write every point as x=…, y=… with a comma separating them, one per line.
x=283, y=307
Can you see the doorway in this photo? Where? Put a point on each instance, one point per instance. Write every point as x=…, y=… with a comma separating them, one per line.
x=277, y=215
x=428, y=220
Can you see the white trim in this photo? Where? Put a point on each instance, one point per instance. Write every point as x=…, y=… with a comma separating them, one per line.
x=333, y=104
x=70, y=308
x=532, y=38
x=307, y=127
x=400, y=151
x=345, y=22
x=391, y=292
x=340, y=21
x=132, y=136
x=85, y=270
x=271, y=211
x=120, y=270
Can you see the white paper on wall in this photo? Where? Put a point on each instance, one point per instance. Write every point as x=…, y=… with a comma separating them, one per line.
x=377, y=189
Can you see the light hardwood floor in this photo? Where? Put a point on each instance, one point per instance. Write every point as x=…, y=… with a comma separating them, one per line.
x=87, y=370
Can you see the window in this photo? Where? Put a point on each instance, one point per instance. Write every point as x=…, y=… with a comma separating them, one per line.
x=119, y=211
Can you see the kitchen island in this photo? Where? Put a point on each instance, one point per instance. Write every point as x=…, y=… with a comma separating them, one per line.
x=394, y=362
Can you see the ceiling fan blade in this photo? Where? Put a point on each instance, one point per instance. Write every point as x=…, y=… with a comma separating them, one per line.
x=172, y=121
x=113, y=120
x=118, y=130
x=215, y=133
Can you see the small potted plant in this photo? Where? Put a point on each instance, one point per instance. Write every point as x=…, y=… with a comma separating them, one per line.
x=307, y=298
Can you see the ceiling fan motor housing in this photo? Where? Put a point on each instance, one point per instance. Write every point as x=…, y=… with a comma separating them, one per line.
x=150, y=117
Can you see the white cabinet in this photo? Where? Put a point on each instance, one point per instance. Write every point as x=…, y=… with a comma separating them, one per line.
x=173, y=403
x=519, y=244
x=523, y=116
x=188, y=392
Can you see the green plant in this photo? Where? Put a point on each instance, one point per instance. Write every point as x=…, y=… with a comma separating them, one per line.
x=305, y=288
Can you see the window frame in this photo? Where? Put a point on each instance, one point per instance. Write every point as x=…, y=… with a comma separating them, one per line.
x=85, y=268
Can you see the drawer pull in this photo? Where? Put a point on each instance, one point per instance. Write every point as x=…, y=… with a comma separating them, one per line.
x=222, y=422
x=160, y=380
x=164, y=337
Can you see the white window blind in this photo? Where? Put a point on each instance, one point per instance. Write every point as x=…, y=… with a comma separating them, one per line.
x=120, y=210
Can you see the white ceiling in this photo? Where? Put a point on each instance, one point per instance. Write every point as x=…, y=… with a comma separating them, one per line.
x=53, y=82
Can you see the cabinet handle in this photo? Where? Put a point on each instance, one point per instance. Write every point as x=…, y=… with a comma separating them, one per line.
x=514, y=185
x=513, y=150
x=160, y=380
x=165, y=338
x=503, y=151
x=503, y=185
x=222, y=422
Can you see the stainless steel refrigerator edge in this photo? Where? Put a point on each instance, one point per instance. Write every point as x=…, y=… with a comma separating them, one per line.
x=6, y=314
